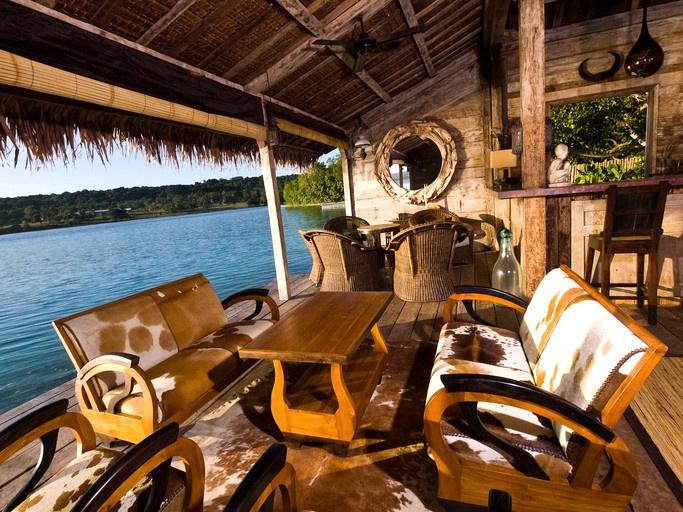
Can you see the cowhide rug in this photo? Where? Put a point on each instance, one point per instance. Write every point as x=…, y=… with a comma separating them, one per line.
x=385, y=469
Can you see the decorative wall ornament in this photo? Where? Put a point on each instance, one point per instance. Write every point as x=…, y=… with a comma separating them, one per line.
x=602, y=75
x=425, y=130
x=646, y=56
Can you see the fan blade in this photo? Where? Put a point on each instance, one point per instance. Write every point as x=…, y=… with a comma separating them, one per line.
x=333, y=42
x=400, y=34
x=359, y=63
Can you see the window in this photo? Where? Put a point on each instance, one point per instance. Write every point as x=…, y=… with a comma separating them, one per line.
x=606, y=137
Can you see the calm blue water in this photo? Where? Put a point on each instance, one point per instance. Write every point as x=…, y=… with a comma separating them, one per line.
x=46, y=275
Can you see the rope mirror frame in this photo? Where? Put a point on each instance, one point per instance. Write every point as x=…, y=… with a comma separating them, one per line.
x=426, y=129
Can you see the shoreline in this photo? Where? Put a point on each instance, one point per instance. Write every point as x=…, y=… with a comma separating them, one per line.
x=16, y=228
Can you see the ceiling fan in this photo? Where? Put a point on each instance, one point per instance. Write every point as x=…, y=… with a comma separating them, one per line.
x=366, y=44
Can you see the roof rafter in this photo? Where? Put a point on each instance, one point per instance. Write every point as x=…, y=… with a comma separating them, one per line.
x=217, y=52
x=163, y=23
x=302, y=15
x=300, y=55
x=209, y=20
x=419, y=38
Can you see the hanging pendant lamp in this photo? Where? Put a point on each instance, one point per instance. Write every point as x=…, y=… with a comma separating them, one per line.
x=646, y=56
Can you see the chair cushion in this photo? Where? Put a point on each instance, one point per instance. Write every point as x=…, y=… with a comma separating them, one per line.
x=470, y=348
x=191, y=308
x=133, y=325
x=186, y=380
x=555, y=292
x=587, y=357
x=64, y=489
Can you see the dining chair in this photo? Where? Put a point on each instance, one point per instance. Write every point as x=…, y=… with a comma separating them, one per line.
x=633, y=225
x=316, y=274
x=345, y=225
x=465, y=255
x=423, y=259
x=99, y=478
x=347, y=265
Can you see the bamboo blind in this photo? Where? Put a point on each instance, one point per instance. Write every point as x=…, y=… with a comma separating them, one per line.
x=27, y=74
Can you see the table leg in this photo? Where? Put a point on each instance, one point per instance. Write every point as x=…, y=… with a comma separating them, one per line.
x=346, y=412
x=380, y=342
x=278, y=399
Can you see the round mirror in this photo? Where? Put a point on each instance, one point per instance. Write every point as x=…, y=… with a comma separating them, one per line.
x=415, y=162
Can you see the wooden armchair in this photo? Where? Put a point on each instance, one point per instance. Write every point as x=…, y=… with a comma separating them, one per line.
x=270, y=473
x=347, y=265
x=98, y=478
x=532, y=414
x=423, y=259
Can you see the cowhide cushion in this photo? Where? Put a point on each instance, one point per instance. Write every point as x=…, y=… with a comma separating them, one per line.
x=133, y=325
x=587, y=357
x=554, y=293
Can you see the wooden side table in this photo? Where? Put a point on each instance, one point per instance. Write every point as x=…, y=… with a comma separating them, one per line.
x=329, y=399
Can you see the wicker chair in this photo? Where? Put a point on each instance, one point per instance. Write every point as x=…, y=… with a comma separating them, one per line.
x=346, y=225
x=316, y=274
x=424, y=257
x=431, y=215
x=347, y=266
x=465, y=241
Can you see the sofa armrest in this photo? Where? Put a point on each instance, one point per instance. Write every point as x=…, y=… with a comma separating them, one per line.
x=117, y=362
x=466, y=390
x=43, y=424
x=152, y=456
x=467, y=294
x=489, y=387
x=259, y=295
x=270, y=472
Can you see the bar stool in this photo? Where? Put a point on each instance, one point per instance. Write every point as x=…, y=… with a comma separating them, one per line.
x=633, y=224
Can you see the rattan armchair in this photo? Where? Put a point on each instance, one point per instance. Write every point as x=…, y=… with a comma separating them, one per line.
x=347, y=265
x=423, y=260
x=316, y=274
x=465, y=254
x=345, y=225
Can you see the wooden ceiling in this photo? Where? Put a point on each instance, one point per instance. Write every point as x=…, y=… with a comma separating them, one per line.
x=265, y=46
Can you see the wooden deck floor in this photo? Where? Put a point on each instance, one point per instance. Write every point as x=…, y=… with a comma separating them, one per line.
x=422, y=321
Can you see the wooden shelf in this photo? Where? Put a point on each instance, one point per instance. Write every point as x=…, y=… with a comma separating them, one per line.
x=596, y=188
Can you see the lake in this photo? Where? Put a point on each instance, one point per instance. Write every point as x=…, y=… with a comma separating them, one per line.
x=45, y=275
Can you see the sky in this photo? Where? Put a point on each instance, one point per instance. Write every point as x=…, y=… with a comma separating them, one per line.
x=121, y=171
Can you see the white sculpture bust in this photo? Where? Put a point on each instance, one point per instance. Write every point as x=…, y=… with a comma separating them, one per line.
x=558, y=172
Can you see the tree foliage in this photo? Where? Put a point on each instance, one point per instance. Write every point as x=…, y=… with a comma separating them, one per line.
x=602, y=129
x=322, y=184
x=72, y=208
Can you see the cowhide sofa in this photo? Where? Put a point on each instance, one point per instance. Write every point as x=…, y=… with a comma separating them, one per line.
x=532, y=412
x=157, y=356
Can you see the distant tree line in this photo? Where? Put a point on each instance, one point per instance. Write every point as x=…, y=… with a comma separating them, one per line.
x=321, y=184
x=73, y=208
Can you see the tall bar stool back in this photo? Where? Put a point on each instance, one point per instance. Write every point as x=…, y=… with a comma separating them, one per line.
x=633, y=225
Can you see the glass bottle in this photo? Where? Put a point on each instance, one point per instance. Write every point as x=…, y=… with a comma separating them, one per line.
x=507, y=272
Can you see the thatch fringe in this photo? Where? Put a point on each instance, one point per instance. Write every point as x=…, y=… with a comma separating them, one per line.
x=53, y=131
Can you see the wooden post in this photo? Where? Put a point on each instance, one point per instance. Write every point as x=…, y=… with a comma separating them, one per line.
x=349, y=203
x=532, y=96
x=275, y=216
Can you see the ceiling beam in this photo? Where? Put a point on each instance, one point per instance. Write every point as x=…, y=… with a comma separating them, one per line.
x=163, y=23
x=419, y=38
x=495, y=18
x=302, y=52
x=303, y=16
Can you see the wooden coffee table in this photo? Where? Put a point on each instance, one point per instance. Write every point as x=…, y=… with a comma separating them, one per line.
x=327, y=402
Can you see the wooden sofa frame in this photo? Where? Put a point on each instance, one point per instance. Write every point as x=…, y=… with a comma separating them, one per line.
x=467, y=483
x=107, y=416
